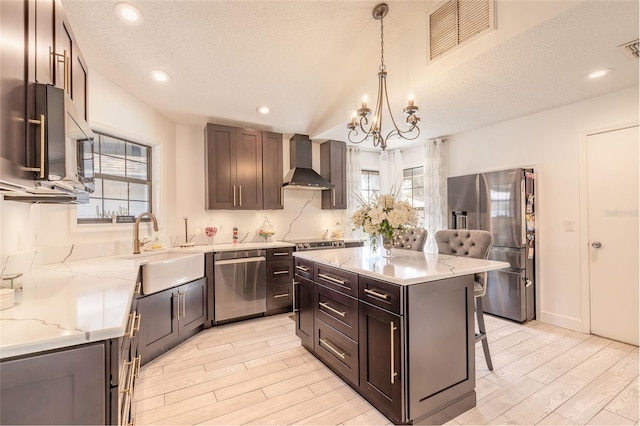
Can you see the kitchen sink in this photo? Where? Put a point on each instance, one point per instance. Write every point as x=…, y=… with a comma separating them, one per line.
x=169, y=269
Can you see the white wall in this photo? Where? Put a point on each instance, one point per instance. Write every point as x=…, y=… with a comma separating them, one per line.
x=548, y=141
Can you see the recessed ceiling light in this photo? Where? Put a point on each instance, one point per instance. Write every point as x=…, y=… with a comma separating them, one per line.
x=599, y=73
x=263, y=109
x=160, y=76
x=129, y=14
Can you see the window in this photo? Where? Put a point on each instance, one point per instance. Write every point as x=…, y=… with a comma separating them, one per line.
x=122, y=181
x=370, y=184
x=413, y=191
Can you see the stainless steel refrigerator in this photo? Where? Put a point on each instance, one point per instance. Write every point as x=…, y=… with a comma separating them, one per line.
x=501, y=202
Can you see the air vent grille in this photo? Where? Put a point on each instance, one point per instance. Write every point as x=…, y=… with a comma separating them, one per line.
x=457, y=21
x=630, y=49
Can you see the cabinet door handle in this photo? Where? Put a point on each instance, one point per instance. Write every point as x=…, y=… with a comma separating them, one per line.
x=376, y=294
x=184, y=303
x=234, y=195
x=333, y=196
x=330, y=278
x=393, y=364
x=177, y=315
x=278, y=296
x=240, y=194
x=335, y=311
x=302, y=268
x=137, y=326
x=332, y=349
x=138, y=289
x=281, y=253
x=66, y=83
x=281, y=197
x=280, y=272
x=131, y=325
x=40, y=123
x=136, y=366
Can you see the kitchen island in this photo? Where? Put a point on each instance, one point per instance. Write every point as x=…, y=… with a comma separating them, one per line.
x=399, y=330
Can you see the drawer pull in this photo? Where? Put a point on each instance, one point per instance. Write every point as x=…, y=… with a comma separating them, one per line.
x=136, y=366
x=302, y=268
x=129, y=383
x=376, y=294
x=335, y=311
x=393, y=364
x=281, y=272
x=278, y=296
x=332, y=349
x=284, y=253
x=138, y=290
x=330, y=278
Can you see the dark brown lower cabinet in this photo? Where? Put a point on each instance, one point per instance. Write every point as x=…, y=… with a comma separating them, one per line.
x=56, y=388
x=303, y=309
x=279, y=280
x=381, y=375
x=171, y=316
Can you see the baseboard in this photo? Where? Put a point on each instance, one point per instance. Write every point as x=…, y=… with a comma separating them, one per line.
x=570, y=323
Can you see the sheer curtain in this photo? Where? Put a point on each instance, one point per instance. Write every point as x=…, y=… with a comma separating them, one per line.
x=354, y=177
x=436, y=168
x=391, y=172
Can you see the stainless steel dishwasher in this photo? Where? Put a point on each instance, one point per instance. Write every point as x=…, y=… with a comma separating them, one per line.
x=240, y=284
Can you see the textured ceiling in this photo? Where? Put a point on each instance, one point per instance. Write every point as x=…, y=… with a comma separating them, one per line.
x=311, y=61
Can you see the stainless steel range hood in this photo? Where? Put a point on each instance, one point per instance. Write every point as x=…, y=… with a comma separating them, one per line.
x=302, y=176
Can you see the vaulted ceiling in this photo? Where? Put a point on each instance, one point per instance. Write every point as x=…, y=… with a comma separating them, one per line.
x=311, y=61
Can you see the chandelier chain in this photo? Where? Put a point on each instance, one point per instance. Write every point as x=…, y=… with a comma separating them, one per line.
x=382, y=65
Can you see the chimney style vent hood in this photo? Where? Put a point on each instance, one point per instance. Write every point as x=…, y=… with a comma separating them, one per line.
x=301, y=175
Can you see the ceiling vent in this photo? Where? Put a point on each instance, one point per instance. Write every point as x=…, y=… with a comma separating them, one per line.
x=630, y=49
x=456, y=22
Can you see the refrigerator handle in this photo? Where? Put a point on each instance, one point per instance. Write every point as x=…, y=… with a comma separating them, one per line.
x=523, y=218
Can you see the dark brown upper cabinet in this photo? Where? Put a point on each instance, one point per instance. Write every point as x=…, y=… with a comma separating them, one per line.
x=243, y=169
x=233, y=166
x=333, y=167
x=272, y=192
x=70, y=68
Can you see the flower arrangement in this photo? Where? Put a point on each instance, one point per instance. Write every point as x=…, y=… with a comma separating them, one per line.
x=383, y=217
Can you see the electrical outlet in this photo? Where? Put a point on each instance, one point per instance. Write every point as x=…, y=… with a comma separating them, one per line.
x=569, y=225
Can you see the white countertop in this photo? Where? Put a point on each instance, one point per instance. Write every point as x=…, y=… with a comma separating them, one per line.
x=73, y=303
x=68, y=304
x=405, y=268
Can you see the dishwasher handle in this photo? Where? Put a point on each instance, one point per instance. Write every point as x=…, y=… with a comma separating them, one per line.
x=240, y=260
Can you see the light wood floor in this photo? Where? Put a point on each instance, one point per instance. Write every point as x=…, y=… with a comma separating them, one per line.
x=256, y=372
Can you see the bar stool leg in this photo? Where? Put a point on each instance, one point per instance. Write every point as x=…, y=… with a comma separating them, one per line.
x=482, y=335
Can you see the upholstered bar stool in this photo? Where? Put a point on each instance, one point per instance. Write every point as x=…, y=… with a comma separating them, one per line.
x=411, y=239
x=471, y=243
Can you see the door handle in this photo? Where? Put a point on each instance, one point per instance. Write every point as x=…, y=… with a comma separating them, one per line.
x=40, y=123
x=234, y=195
x=596, y=244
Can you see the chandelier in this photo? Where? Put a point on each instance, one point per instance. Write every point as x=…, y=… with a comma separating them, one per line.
x=360, y=118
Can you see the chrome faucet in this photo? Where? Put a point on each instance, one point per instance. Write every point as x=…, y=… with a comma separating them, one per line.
x=136, y=231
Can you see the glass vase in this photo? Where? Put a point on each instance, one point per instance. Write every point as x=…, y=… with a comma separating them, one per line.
x=387, y=245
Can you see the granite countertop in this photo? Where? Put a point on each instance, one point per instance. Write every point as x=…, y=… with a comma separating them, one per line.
x=405, y=268
x=231, y=247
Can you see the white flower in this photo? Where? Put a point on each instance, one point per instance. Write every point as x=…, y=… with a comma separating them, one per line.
x=384, y=216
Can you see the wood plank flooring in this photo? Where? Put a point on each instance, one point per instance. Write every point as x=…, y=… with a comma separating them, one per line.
x=256, y=372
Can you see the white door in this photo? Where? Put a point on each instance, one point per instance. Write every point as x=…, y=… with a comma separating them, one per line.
x=612, y=180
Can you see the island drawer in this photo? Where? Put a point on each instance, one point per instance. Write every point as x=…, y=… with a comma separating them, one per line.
x=381, y=294
x=337, y=279
x=303, y=268
x=280, y=253
x=337, y=309
x=338, y=351
x=280, y=271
